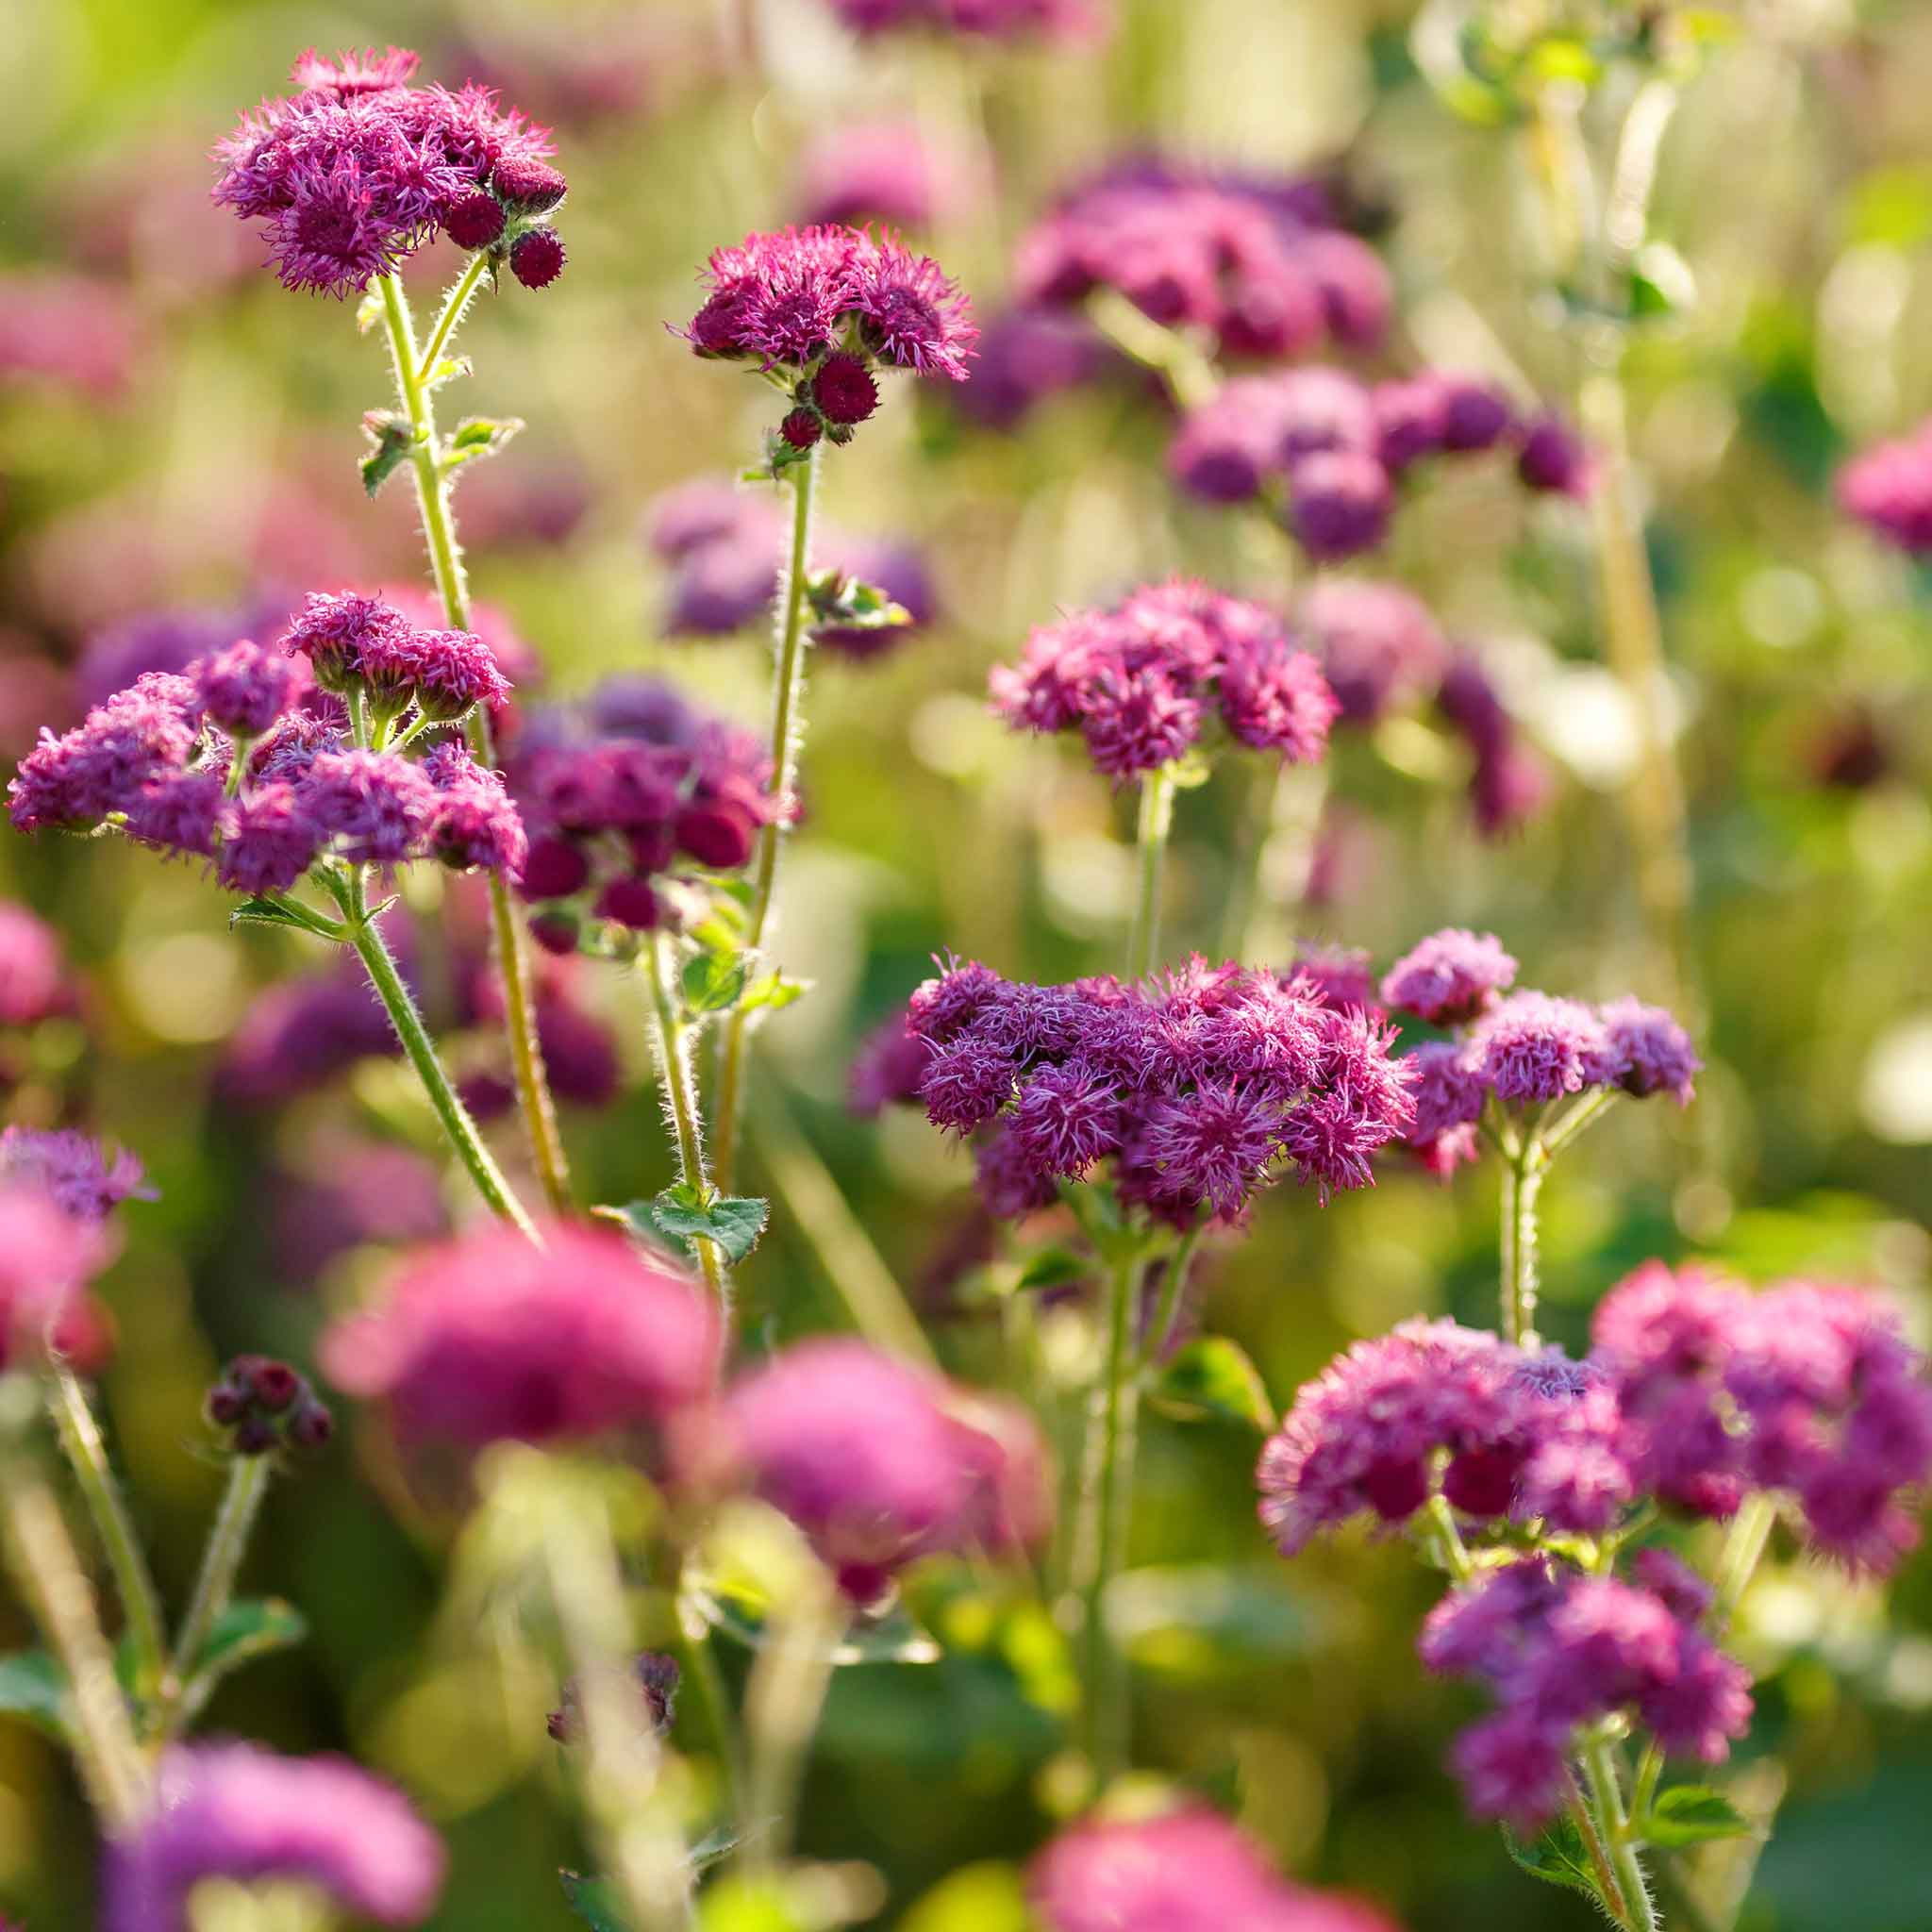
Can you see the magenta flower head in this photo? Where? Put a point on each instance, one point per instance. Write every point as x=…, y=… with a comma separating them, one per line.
x=889, y=1066
x=245, y=687
x=487, y=1338
x=234, y=1810
x=1143, y=682
x=357, y=170
x=1182, y=1871
x=1888, y=489
x=1449, y=977
x=1377, y=644
x=880, y=171
x=1532, y=1048
x=34, y=982
x=992, y=19
x=48, y=1258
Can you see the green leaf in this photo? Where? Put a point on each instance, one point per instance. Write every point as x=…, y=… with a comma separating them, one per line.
x=260, y=912
x=390, y=439
x=34, y=1687
x=593, y=1900
x=712, y=981
x=1213, y=1377
x=447, y=371
x=848, y=603
x=1690, y=1814
x=1055, y=1268
x=733, y=1222
x=1557, y=1856
x=636, y=1221
x=772, y=991
x=1661, y=283
x=478, y=435
x=249, y=1628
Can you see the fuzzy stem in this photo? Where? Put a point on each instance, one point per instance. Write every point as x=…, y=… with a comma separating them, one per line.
x=1173, y=1284
x=1523, y=1180
x=446, y=567
x=1744, y=1544
x=1558, y=1135
x=670, y=1041
x=1283, y=804
x=141, y=1603
x=379, y=962
x=453, y=306
x=1156, y=816
x=1606, y=1800
x=782, y=1705
x=788, y=728
x=221, y=1564
x=48, y=1573
x=1111, y=1418
x=1584, y=1819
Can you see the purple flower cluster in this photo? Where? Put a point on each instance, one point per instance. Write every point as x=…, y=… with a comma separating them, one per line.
x=1027, y=356
x=878, y=171
x=1559, y=1650
x=1182, y=1871
x=234, y=1810
x=992, y=20
x=1336, y=449
x=358, y=168
x=490, y=1339
x=1803, y=1390
x=628, y=796
x=81, y=1179
x=724, y=548
x=1888, y=488
x=34, y=983
x=158, y=759
x=878, y=1462
x=47, y=1258
x=1253, y=261
x=1509, y=783
x=1192, y=1086
x=1143, y=682
x=1525, y=1048
x=830, y=305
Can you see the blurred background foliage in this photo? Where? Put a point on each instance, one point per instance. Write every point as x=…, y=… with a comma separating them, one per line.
x=211, y=458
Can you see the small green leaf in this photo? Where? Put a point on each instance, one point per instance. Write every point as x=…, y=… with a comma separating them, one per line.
x=593, y=1900
x=478, y=435
x=1055, y=1268
x=34, y=1687
x=772, y=991
x=712, y=981
x=848, y=603
x=1690, y=1814
x=390, y=441
x=1213, y=1377
x=636, y=1221
x=260, y=912
x=1557, y=1856
x=249, y=1628
x=679, y=1219
x=447, y=371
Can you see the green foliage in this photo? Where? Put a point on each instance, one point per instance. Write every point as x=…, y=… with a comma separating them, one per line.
x=33, y=1687
x=1690, y=1814
x=1213, y=1377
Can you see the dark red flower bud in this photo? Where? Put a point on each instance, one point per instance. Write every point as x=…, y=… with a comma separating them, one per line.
x=225, y=1406
x=537, y=258
x=801, y=429
x=475, y=220
x=254, y=1437
x=652, y=847
x=717, y=835
x=530, y=186
x=844, y=390
x=275, y=1385
x=556, y=932
x=554, y=870
x=311, y=1426
x=632, y=903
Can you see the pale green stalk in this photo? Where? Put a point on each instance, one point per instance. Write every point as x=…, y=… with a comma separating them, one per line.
x=1155, y=818
x=221, y=1564
x=670, y=1038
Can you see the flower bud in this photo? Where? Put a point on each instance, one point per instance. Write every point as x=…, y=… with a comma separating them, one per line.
x=556, y=932
x=554, y=870
x=844, y=391
x=528, y=186
x=801, y=429
x=630, y=902
x=537, y=258
x=475, y=220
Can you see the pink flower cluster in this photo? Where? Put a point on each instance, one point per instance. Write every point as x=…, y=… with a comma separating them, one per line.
x=1559, y=1650
x=1254, y=262
x=235, y=1810
x=1144, y=682
x=831, y=304
x=1888, y=488
x=34, y=980
x=1192, y=1085
x=1182, y=1871
x=878, y=1462
x=1523, y=1048
x=992, y=19
x=157, y=760
x=628, y=796
x=1335, y=449
x=358, y=168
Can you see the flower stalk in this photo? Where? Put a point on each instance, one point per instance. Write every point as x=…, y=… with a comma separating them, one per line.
x=1523, y=1180
x=670, y=1041
x=220, y=1562
x=1155, y=818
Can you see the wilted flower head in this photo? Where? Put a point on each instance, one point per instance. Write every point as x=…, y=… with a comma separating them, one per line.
x=352, y=174
x=1182, y=1871
x=489, y=1337
x=1141, y=682
x=234, y=1810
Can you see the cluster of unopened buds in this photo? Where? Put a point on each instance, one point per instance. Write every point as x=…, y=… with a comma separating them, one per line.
x=260, y=1404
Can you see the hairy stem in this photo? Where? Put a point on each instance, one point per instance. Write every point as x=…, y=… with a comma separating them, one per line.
x=453, y=306
x=670, y=1042
x=221, y=1564
x=379, y=963
x=140, y=1603
x=782, y=1705
x=788, y=728
x=1156, y=816
x=1744, y=1544
x=1523, y=1181
x=1174, y=1282
x=447, y=566
x=1613, y=1822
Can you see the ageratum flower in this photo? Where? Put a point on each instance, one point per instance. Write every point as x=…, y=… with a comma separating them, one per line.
x=1140, y=682
x=358, y=168
x=877, y=1461
x=1559, y=1650
x=234, y=1810
x=1193, y=1085
x=1182, y=1871
x=490, y=1339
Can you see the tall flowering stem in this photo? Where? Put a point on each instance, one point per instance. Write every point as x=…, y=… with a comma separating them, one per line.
x=447, y=566
x=787, y=722
x=1619, y=1832
x=1523, y=1182
x=672, y=1039
x=1156, y=818
x=221, y=1564
x=141, y=1605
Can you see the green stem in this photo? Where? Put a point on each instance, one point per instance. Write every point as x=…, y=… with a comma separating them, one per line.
x=1558, y=1137
x=1523, y=1180
x=48, y=1570
x=1744, y=1544
x=782, y=1705
x=221, y=1564
x=1584, y=1818
x=1282, y=810
x=141, y=1603
x=1111, y=1418
x=447, y=566
x=453, y=306
x=706, y=1681
x=1156, y=816
x=379, y=963
x=1189, y=373
x=1607, y=1799
x=1172, y=1285
x=670, y=1039
x=788, y=694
